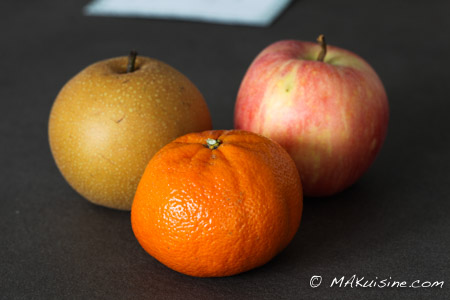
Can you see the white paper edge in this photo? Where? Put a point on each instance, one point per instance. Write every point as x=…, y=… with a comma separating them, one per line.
x=265, y=18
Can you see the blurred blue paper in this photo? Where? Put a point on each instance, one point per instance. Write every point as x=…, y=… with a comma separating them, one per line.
x=244, y=12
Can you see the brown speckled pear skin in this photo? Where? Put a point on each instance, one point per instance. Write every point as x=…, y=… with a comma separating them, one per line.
x=105, y=125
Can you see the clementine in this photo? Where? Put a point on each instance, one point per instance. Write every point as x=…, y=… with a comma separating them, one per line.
x=217, y=203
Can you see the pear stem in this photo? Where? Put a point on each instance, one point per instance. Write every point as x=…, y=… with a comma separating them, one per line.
x=213, y=144
x=131, y=61
x=323, y=44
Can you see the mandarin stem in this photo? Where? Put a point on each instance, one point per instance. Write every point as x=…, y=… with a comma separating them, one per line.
x=212, y=143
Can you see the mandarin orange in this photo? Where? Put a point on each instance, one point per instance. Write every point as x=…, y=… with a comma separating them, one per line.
x=217, y=203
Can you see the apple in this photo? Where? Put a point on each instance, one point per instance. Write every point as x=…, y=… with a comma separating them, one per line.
x=109, y=120
x=325, y=105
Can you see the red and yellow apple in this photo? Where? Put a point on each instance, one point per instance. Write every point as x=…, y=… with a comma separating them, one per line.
x=325, y=105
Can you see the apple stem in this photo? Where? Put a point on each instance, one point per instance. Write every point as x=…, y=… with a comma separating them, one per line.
x=131, y=61
x=323, y=44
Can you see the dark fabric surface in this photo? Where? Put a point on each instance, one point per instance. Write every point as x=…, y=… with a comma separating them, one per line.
x=394, y=223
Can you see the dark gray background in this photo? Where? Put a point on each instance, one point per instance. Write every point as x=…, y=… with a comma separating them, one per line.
x=393, y=223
